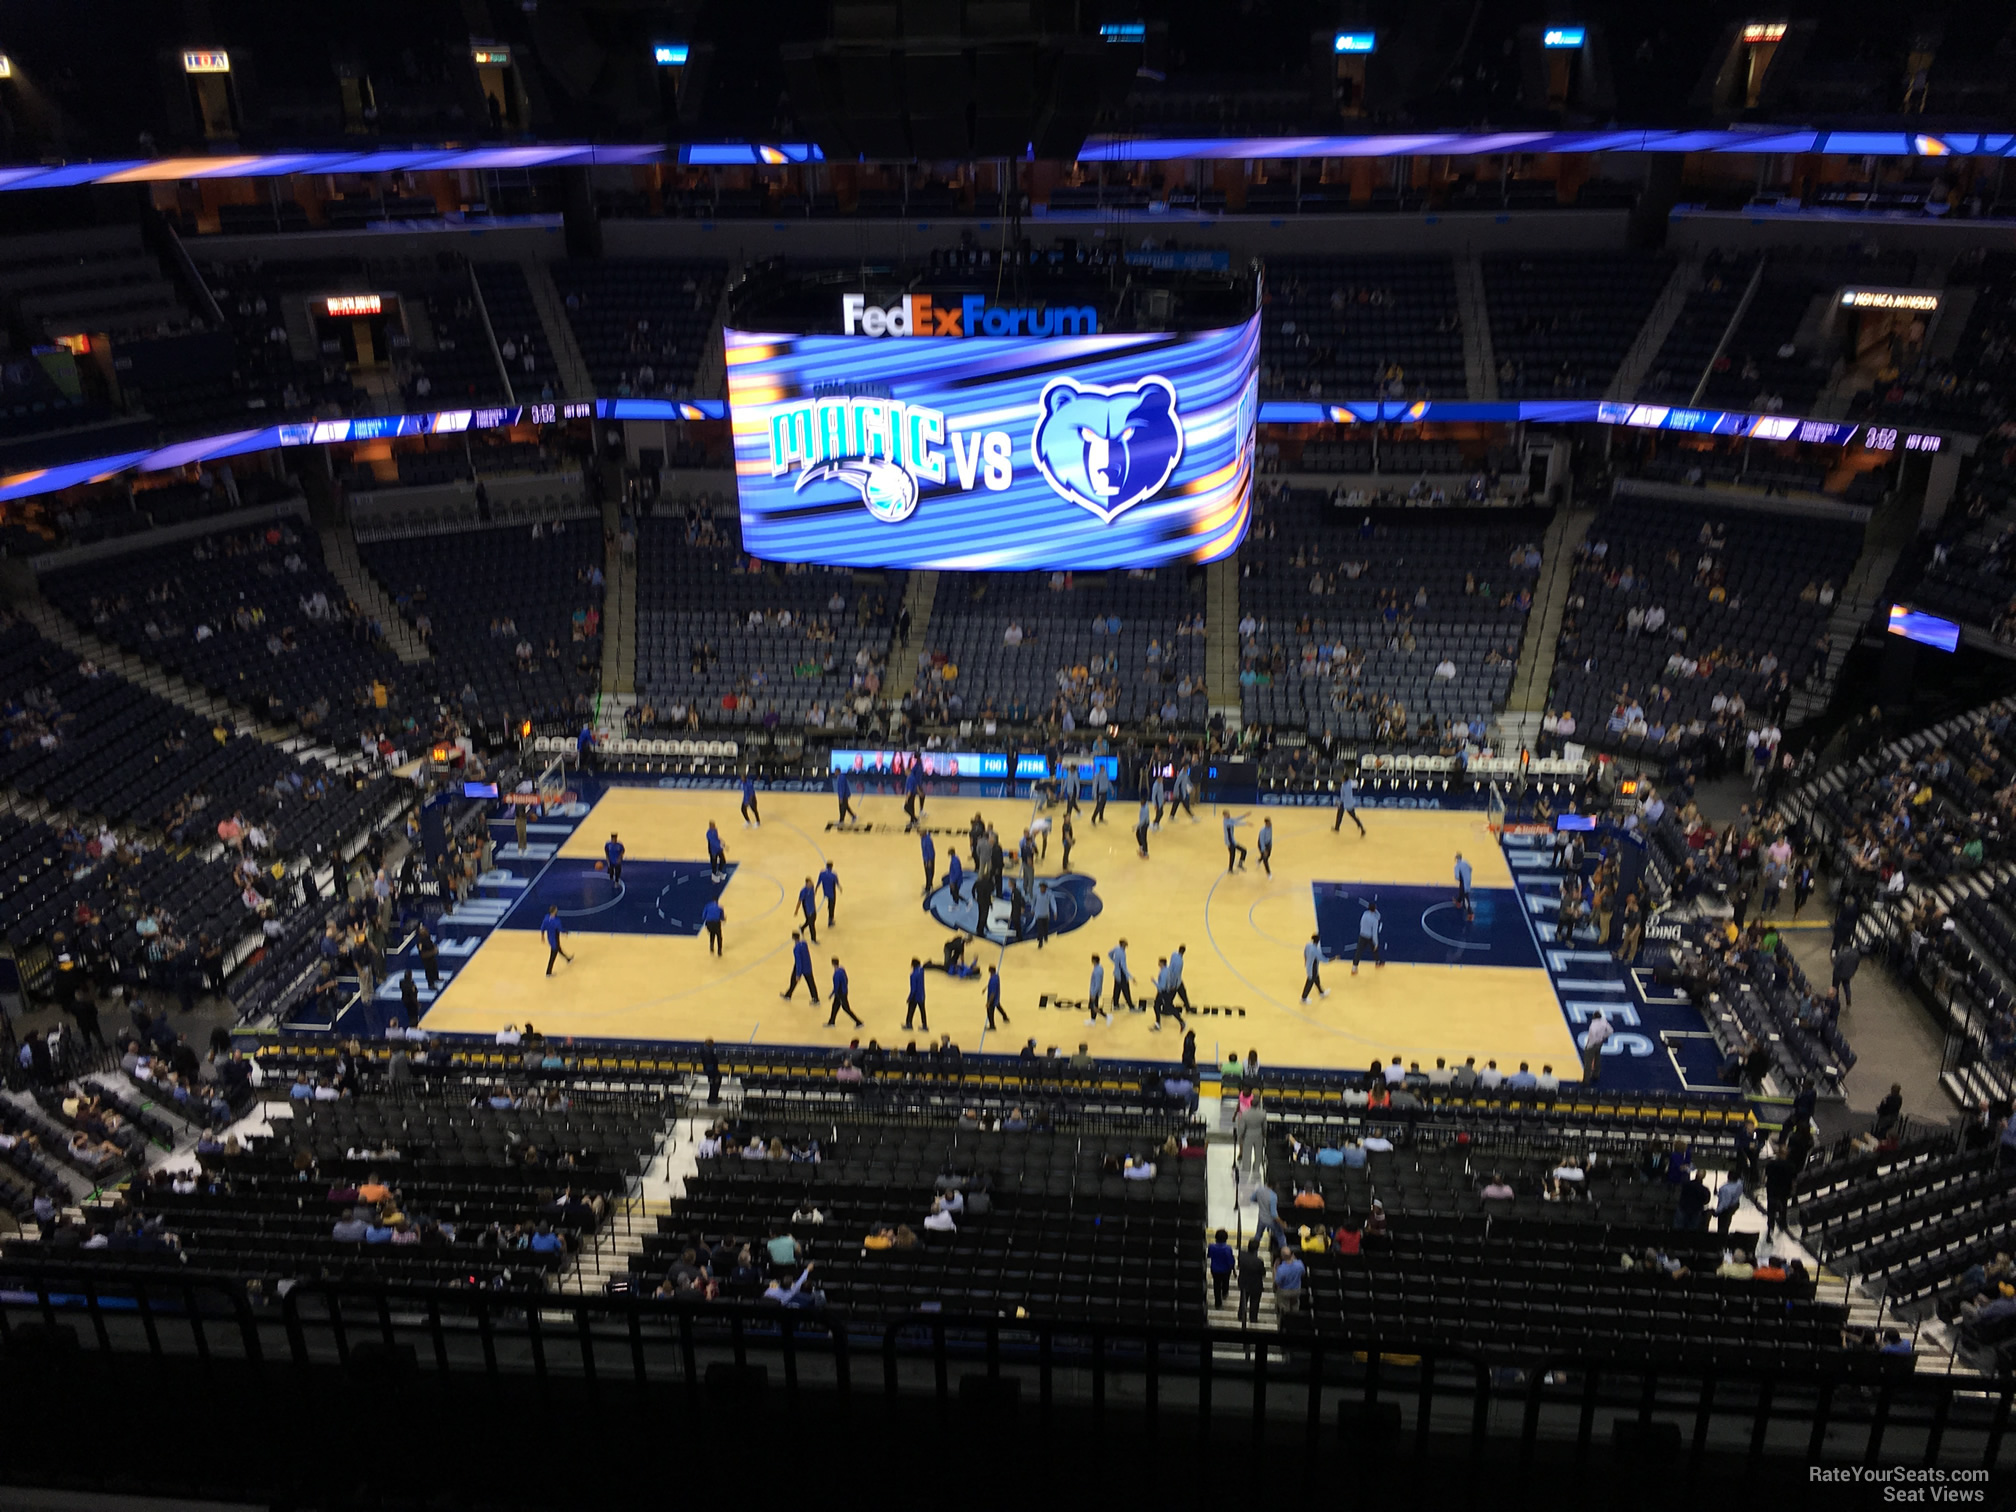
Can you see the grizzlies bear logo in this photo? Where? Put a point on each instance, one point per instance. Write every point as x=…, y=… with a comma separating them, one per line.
x=1074, y=901
x=1108, y=449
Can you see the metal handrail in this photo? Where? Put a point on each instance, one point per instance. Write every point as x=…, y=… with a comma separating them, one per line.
x=1084, y=1369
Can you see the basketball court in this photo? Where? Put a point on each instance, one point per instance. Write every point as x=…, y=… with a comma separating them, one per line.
x=1452, y=987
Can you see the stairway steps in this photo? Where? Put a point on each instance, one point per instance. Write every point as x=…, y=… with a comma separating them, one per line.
x=339, y=551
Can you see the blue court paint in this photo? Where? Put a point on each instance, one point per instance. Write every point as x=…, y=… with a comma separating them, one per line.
x=1423, y=926
x=654, y=897
x=1660, y=1041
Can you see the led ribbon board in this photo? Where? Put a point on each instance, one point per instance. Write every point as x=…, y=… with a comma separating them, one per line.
x=979, y=453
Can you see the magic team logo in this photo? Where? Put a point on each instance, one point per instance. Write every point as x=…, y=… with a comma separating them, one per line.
x=1074, y=901
x=1107, y=449
x=889, y=491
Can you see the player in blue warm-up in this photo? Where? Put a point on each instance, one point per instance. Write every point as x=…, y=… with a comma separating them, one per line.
x=613, y=851
x=552, y=928
x=801, y=967
x=913, y=1006
x=840, y=1004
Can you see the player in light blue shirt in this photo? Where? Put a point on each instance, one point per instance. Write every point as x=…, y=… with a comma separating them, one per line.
x=1123, y=979
x=1463, y=889
x=1312, y=968
x=1234, y=851
x=1267, y=845
x=1368, y=936
x=1164, y=999
x=1098, y=988
x=1042, y=912
x=1347, y=803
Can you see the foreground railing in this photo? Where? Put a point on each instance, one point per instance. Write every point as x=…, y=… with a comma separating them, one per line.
x=1400, y=1393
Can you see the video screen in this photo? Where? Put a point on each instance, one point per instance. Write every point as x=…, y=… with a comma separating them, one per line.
x=981, y=764
x=934, y=763
x=1926, y=629
x=984, y=453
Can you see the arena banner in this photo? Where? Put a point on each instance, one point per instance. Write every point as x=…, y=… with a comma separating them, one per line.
x=978, y=452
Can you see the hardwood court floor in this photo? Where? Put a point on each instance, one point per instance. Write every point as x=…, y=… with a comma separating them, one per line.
x=1244, y=932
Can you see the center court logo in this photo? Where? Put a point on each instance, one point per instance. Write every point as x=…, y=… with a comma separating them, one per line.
x=1074, y=902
